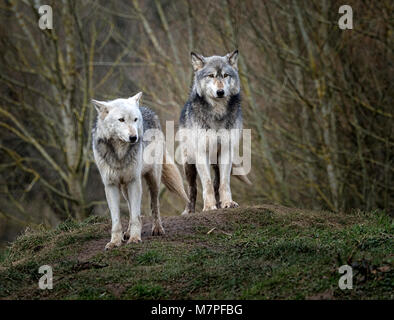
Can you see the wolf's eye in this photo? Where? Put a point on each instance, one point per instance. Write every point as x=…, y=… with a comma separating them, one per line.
x=136, y=119
x=211, y=76
x=226, y=75
x=121, y=119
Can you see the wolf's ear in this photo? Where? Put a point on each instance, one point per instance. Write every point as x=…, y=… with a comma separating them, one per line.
x=101, y=107
x=136, y=97
x=233, y=59
x=198, y=61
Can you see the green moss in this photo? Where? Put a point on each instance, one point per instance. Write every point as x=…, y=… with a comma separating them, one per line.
x=150, y=257
x=146, y=291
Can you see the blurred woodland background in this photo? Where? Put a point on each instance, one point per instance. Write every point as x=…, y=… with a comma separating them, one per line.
x=318, y=99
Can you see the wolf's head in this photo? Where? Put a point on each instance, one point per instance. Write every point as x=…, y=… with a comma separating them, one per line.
x=216, y=77
x=120, y=119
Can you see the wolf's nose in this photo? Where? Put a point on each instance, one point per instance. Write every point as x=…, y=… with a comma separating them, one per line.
x=220, y=93
x=133, y=139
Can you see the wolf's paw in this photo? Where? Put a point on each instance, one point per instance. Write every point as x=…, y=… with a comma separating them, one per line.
x=134, y=239
x=230, y=204
x=208, y=208
x=186, y=212
x=112, y=244
x=157, y=230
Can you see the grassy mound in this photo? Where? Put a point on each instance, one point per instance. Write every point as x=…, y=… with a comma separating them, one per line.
x=262, y=252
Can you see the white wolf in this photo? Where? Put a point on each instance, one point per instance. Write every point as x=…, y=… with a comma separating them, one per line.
x=118, y=148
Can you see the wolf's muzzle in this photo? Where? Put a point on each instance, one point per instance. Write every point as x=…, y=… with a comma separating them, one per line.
x=220, y=93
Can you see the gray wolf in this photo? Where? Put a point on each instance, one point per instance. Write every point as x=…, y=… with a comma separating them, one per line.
x=118, y=148
x=214, y=104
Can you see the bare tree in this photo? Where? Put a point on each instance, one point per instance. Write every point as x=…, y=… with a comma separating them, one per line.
x=318, y=99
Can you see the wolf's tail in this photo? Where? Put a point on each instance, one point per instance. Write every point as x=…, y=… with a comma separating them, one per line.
x=172, y=179
x=243, y=177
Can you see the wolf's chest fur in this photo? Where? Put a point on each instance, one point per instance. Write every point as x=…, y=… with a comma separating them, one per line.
x=225, y=114
x=116, y=154
x=118, y=162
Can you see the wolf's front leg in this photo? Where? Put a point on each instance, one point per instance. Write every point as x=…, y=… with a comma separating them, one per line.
x=208, y=194
x=225, y=165
x=134, y=191
x=113, y=197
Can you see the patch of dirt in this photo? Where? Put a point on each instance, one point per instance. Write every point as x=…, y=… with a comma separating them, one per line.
x=116, y=289
x=176, y=227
